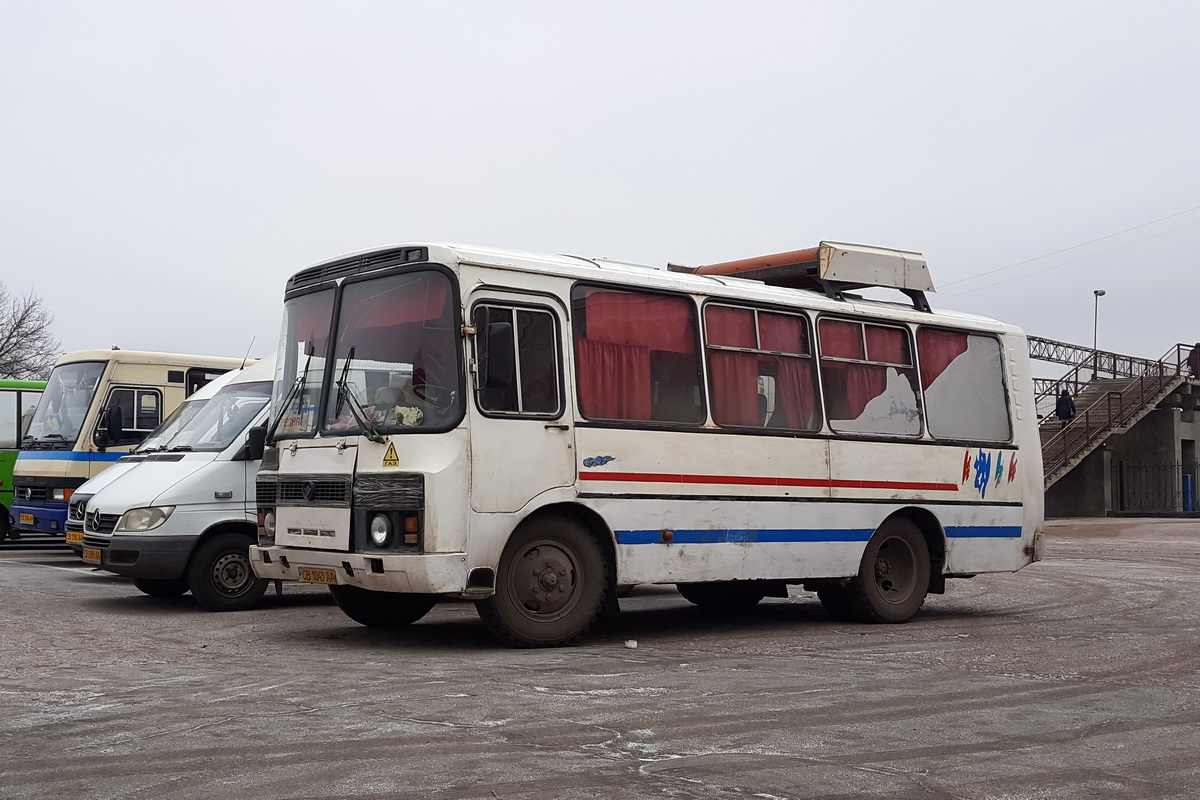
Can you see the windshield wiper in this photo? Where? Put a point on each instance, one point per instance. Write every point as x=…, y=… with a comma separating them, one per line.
x=287, y=398
x=181, y=448
x=356, y=410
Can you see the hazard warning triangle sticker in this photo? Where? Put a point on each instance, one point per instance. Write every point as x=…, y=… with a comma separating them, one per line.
x=389, y=458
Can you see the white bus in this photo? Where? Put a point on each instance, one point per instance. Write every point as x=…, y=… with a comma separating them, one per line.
x=97, y=406
x=538, y=430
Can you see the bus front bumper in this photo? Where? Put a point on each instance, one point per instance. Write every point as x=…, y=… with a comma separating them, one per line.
x=50, y=517
x=443, y=574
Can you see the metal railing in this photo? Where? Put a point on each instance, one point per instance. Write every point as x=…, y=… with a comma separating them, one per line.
x=1112, y=410
x=1094, y=364
x=1156, y=488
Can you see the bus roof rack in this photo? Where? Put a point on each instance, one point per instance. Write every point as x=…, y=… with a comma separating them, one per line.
x=832, y=268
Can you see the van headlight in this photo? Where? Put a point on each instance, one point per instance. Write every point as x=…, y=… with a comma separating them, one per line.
x=136, y=520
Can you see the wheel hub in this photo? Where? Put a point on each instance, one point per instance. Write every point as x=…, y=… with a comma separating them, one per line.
x=231, y=574
x=551, y=584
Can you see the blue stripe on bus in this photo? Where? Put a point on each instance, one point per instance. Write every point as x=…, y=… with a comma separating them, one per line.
x=801, y=535
x=66, y=455
x=744, y=536
x=983, y=532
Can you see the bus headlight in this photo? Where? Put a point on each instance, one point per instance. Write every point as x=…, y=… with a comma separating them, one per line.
x=136, y=520
x=269, y=525
x=381, y=530
x=61, y=495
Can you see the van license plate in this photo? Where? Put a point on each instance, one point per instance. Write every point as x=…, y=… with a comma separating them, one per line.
x=309, y=575
x=91, y=555
x=75, y=536
x=26, y=519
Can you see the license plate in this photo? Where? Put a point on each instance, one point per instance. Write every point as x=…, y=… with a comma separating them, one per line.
x=75, y=536
x=309, y=575
x=27, y=519
x=91, y=555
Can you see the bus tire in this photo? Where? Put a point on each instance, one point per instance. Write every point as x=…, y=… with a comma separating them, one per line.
x=731, y=596
x=893, y=576
x=220, y=576
x=160, y=588
x=551, y=586
x=382, y=609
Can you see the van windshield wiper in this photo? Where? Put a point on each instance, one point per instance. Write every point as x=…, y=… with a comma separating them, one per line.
x=356, y=410
x=181, y=448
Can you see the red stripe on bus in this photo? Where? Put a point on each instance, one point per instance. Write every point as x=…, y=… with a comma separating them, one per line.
x=746, y=480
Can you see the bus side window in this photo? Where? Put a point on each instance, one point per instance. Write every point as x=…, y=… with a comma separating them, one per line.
x=518, y=360
x=962, y=376
x=635, y=356
x=9, y=438
x=869, y=378
x=139, y=414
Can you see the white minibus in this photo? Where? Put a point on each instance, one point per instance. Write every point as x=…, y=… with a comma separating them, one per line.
x=183, y=517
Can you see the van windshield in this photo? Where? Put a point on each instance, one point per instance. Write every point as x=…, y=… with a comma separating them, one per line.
x=222, y=419
x=179, y=418
x=64, y=405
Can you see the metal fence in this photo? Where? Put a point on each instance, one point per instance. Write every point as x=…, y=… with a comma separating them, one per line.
x=1155, y=488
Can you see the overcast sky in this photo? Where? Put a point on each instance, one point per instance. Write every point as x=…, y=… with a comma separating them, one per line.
x=166, y=166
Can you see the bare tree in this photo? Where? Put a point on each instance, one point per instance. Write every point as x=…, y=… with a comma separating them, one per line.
x=27, y=348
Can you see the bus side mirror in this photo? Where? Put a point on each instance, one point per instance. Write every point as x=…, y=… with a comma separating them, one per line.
x=256, y=441
x=109, y=430
x=499, y=357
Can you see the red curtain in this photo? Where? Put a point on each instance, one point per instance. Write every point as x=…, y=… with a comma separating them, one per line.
x=627, y=318
x=730, y=327
x=887, y=345
x=782, y=333
x=614, y=380
x=795, y=395
x=849, y=387
x=936, y=350
x=734, y=387
x=841, y=339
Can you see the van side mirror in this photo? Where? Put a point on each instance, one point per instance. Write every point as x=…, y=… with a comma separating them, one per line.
x=256, y=442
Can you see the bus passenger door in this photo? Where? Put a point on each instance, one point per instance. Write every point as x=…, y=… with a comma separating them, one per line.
x=521, y=436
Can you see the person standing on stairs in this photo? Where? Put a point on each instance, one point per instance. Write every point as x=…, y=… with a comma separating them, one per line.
x=1064, y=407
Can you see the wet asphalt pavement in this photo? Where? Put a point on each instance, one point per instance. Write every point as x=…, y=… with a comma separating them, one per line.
x=1074, y=678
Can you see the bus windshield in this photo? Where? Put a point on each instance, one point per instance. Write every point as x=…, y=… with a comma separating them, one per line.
x=64, y=404
x=397, y=364
x=222, y=419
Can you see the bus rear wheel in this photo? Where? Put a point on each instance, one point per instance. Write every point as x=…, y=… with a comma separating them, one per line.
x=551, y=585
x=893, y=576
x=732, y=596
x=382, y=609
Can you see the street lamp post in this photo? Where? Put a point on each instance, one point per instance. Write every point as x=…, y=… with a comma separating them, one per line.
x=1096, y=330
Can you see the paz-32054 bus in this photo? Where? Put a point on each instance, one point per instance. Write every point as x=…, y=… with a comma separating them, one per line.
x=532, y=431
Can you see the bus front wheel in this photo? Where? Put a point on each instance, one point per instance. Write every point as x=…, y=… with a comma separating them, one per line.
x=893, y=576
x=382, y=609
x=551, y=585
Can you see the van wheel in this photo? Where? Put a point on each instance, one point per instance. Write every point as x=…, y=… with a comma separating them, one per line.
x=382, y=609
x=220, y=575
x=893, y=576
x=732, y=596
x=161, y=588
x=551, y=585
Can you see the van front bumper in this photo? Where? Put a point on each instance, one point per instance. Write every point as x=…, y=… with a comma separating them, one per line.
x=438, y=573
x=158, y=558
